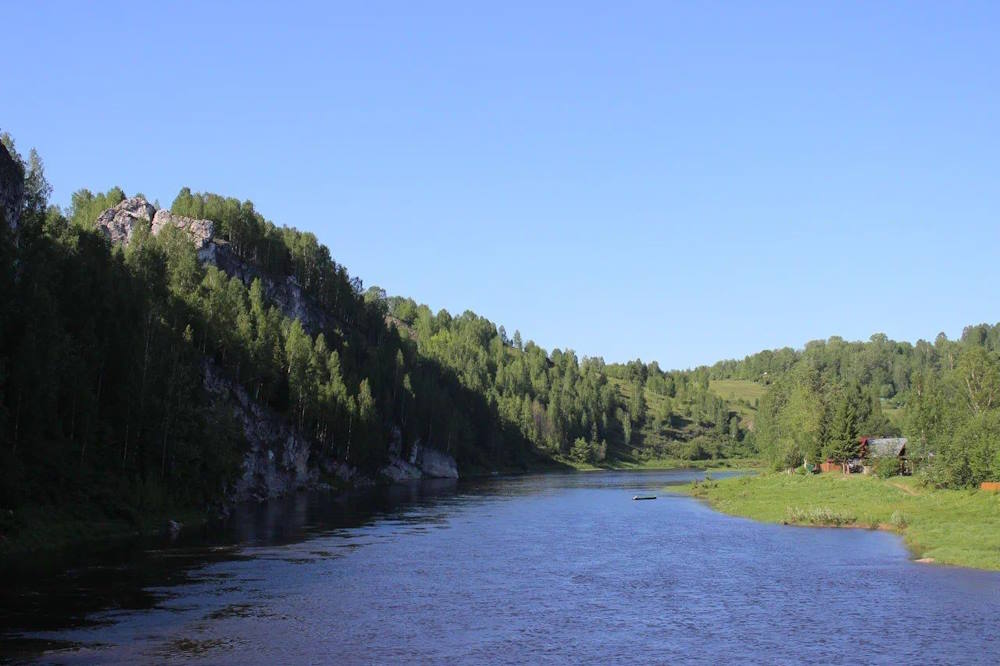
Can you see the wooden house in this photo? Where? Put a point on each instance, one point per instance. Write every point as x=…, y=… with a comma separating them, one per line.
x=872, y=448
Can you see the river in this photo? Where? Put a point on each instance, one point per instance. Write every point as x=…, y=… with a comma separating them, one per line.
x=560, y=568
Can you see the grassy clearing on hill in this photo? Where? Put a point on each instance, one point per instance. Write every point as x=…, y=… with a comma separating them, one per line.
x=740, y=394
x=960, y=527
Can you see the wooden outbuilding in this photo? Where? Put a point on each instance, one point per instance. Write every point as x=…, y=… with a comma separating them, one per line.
x=831, y=465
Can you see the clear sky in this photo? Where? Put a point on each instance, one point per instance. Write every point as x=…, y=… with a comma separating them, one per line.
x=680, y=182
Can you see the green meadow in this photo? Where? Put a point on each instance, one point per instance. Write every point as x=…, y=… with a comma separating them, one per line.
x=960, y=527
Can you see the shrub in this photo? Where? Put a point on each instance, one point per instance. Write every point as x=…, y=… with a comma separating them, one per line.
x=705, y=484
x=886, y=467
x=819, y=516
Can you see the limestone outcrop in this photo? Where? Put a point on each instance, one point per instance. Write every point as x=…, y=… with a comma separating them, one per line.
x=400, y=471
x=277, y=459
x=434, y=463
x=202, y=232
x=423, y=462
x=119, y=223
x=285, y=292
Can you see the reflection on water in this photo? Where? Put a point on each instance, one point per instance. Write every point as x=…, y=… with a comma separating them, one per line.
x=554, y=568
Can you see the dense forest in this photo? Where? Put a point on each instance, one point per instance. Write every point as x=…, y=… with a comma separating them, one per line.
x=104, y=347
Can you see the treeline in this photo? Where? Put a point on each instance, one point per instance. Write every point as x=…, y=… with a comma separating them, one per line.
x=578, y=408
x=944, y=397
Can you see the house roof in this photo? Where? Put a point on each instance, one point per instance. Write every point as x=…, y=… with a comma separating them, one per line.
x=886, y=446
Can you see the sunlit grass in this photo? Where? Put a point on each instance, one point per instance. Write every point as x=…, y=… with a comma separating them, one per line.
x=733, y=391
x=737, y=389
x=959, y=527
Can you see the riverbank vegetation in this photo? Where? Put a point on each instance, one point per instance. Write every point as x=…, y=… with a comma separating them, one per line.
x=719, y=464
x=943, y=396
x=948, y=526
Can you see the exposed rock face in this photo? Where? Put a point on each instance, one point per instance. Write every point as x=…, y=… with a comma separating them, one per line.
x=118, y=223
x=285, y=293
x=277, y=459
x=433, y=463
x=11, y=188
x=398, y=471
x=423, y=462
x=202, y=232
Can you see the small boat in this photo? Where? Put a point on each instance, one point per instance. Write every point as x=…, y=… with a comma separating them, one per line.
x=644, y=497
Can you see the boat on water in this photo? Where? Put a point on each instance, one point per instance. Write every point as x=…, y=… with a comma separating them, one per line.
x=644, y=497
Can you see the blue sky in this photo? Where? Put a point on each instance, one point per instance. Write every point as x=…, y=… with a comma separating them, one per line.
x=679, y=182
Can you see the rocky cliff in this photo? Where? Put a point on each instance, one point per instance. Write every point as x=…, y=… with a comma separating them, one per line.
x=285, y=292
x=11, y=188
x=279, y=459
x=202, y=232
x=119, y=223
x=423, y=462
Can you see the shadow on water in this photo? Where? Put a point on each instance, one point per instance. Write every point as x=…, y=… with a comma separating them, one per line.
x=45, y=601
x=66, y=590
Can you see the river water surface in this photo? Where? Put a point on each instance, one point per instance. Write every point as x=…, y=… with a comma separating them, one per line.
x=562, y=568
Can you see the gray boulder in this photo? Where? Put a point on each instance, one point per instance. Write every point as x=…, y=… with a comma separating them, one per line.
x=119, y=223
x=424, y=462
x=398, y=470
x=433, y=463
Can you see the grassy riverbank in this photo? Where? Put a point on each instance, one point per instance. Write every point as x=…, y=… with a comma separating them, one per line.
x=960, y=527
x=666, y=464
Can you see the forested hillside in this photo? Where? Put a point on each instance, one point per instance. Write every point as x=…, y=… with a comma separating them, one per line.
x=110, y=332
x=943, y=396
x=104, y=346
x=582, y=409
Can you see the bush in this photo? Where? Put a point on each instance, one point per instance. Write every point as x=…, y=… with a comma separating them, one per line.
x=705, y=484
x=886, y=467
x=820, y=516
